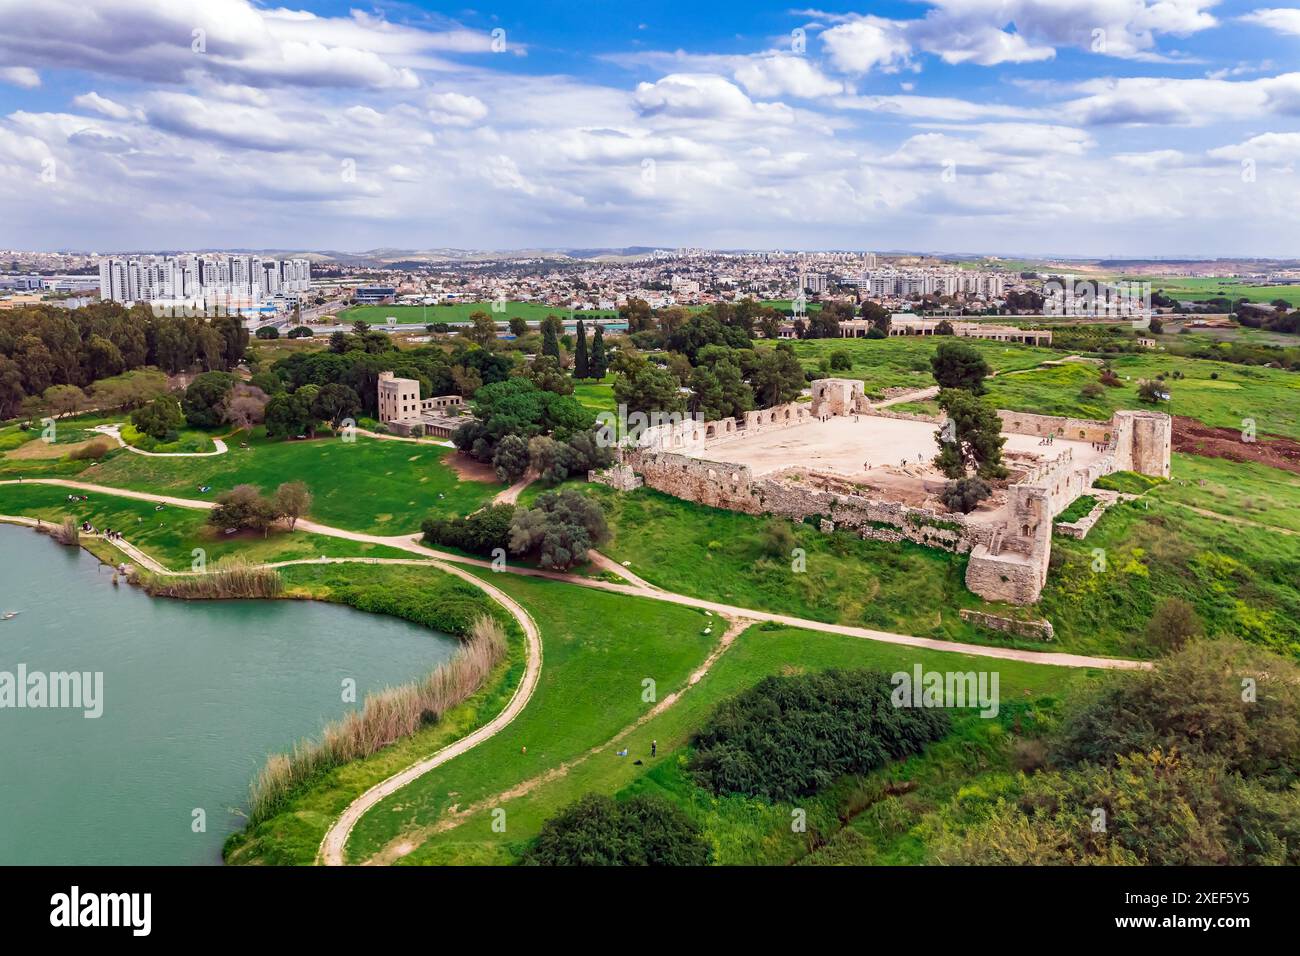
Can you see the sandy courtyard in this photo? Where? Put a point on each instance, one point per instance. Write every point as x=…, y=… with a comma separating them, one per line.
x=846, y=445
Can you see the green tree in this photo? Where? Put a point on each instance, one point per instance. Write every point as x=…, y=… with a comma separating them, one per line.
x=290, y=413
x=482, y=331
x=649, y=389
x=518, y=326
x=958, y=365
x=778, y=377
x=552, y=327
x=205, y=399
x=292, y=501
x=580, y=364
x=639, y=831
x=335, y=402
x=971, y=438
x=160, y=419
x=599, y=361
x=559, y=530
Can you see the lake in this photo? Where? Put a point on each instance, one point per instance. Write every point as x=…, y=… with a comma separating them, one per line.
x=195, y=695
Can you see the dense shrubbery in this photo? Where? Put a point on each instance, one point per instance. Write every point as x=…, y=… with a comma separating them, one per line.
x=964, y=494
x=789, y=737
x=599, y=831
x=559, y=530
x=1192, y=763
x=479, y=533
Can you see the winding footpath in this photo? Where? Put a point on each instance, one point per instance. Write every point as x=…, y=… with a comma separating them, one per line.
x=115, y=432
x=332, y=847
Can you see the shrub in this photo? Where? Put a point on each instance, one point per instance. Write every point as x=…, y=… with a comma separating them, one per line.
x=560, y=530
x=1152, y=391
x=1092, y=390
x=160, y=419
x=777, y=540
x=480, y=533
x=841, y=360
x=1173, y=624
x=93, y=450
x=964, y=494
x=790, y=736
x=600, y=831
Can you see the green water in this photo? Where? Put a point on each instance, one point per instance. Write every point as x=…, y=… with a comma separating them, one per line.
x=195, y=695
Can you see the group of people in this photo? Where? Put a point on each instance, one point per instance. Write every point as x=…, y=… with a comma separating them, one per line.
x=78, y=497
x=1050, y=439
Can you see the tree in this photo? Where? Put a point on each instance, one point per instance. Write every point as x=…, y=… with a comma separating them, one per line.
x=959, y=365
x=879, y=317
x=64, y=399
x=334, y=403
x=552, y=327
x=511, y=458
x=1152, y=391
x=301, y=332
x=290, y=414
x=292, y=501
x=599, y=361
x=600, y=831
x=1173, y=624
x=964, y=494
x=268, y=332
x=205, y=399
x=971, y=438
x=778, y=377
x=943, y=328
x=559, y=529
x=340, y=342
x=482, y=331
x=244, y=507
x=546, y=374
x=580, y=364
x=518, y=326
x=649, y=389
x=841, y=361
x=160, y=419
x=245, y=406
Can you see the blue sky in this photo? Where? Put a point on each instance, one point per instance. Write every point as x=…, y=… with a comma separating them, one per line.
x=1054, y=127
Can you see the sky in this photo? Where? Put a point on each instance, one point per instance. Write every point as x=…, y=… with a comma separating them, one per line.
x=1092, y=128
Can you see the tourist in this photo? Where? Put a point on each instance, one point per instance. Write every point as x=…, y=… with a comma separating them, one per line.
x=654, y=748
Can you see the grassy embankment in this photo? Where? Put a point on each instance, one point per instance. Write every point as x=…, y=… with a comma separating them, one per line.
x=741, y=830
x=292, y=834
x=599, y=650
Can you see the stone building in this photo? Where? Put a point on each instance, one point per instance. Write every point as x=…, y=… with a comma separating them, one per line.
x=405, y=413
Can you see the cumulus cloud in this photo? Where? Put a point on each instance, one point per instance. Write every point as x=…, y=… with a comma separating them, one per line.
x=704, y=96
x=867, y=43
x=455, y=109
x=102, y=105
x=23, y=76
x=1182, y=102
x=785, y=75
x=1282, y=20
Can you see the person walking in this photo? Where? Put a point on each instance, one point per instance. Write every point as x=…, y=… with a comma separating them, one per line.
x=654, y=748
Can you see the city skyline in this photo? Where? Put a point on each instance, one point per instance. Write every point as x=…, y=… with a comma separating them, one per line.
x=941, y=126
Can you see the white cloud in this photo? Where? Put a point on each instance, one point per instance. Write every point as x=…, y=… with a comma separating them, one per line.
x=455, y=109
x=704, y=96
x=783, y=74
x=23, y=76
x=1281, y=20
x=1179, y=102
x=866, y=44
x=102, y=105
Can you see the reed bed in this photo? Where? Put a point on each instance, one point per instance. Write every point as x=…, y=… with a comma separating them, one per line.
x=386, y=716
x=69, y=532
x=233, y=577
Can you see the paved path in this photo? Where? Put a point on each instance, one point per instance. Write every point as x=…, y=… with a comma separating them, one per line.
x=115, y=432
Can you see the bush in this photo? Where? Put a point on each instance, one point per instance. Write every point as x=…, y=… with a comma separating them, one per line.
x=841, y=360
x=560, y=530
x=160, y=419
x=1092, y=390
x=964, y=494
x=480, y=533
x=93, y=450
x=1173, y=624
x=791, y=736
x=600, y=831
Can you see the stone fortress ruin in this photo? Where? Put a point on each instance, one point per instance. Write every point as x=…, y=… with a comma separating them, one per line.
x=852, y=466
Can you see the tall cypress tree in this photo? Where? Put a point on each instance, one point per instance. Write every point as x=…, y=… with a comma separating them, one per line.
x=580, y=369
x=550, y=338
x=598, y=364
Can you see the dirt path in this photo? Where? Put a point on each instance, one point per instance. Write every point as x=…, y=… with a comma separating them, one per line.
x=411, y=543
x=511, y=494
x=331, y=852
x=408, y=842
x=919, y=395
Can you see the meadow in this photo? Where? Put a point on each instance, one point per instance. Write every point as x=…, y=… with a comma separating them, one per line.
x=1199, y=288
x=369, y=485
x=598, y=650
x=742, y=831
x=170, y=535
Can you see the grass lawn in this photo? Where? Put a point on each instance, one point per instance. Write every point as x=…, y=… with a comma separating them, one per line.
x=905, y=361
x=461, y=311
x=1241, y=580
x=292, y=836
x=1081, y=507
x=1269, y=396
x=723, y=556
x=744, y=831
x=1238, y=489
x=370, y=485
x=171, y=535
x=1199, y=288
x=187, y=440
x=598, y=650
x=596, y=396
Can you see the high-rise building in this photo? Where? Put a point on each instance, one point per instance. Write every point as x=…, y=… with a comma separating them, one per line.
x=208, y=281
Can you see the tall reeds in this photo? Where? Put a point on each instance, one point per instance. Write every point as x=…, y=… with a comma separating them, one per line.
x=233, y=577
x=69, y=532
x=386, y=716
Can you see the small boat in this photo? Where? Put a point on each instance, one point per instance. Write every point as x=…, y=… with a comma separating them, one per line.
x=9, y=615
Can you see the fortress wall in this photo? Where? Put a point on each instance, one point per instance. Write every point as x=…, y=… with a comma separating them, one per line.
x=1076, y=429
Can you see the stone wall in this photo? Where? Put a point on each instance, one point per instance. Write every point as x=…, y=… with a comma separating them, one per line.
x=1041, y=629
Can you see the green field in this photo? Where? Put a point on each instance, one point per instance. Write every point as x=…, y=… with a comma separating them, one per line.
x=171, y=535
x=533, y=312
x=596, y=396
x=741, y=831
x=1199, y=288
x=1269, y=396
x=370, y=485
x=598, y=650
